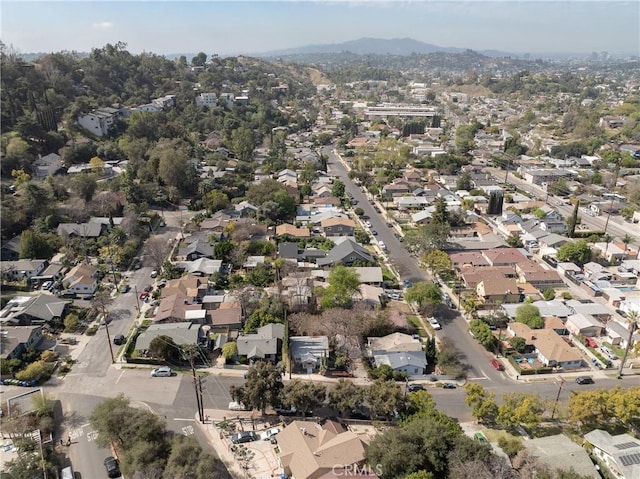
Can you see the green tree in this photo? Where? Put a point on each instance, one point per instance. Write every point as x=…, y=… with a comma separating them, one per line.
x=518, y=343
x=222, y=250
x=483, y=405
x=35, y=245
x=438, y=262
x=262, y=275
x=185, y=457
x=573, y=220
x=243, y=143
x=343, y=284
x=514, y=241
x=520, y=409
x=385, y=399
x=578, y=252
x=482, y=332
x=440, y=215
x=229, y=350
x=262, y=387
x=530, y=315
x=549, y=294
x=84, y=185
x=464, y=182
x=304, y=396
x=164, y=347
x=425, y=294
x=337, y=189
x=215, y=200
x=71, y=323
x=345, y=397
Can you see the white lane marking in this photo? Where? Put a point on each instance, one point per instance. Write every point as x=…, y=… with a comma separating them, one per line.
x=183, y=419
x=187, y=430
x=119, y=377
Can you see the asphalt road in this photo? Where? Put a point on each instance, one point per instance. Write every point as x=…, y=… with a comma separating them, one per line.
x=454, y=327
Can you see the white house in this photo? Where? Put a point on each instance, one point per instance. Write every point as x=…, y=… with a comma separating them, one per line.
x=99, y=121
x=208, y=100
x=620, y=454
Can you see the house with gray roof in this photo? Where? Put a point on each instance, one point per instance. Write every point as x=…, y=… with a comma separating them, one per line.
x=15, y=340
x=200, y=248
x=620, y=454
x=47, y=165
x=347, y=253
x=27, y=310
x=308, y=352
x=547, y=308
x=81, y=230
x=560, y=452
x=22, y=269
x=181, y=333
x=265, y=343
x=413, y=363
x=200, y=266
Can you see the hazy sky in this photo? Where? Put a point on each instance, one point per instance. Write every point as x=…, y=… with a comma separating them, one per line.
x=233, y=27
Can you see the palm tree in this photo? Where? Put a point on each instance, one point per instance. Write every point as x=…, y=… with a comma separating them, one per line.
x=633, y=317
x=626, y=240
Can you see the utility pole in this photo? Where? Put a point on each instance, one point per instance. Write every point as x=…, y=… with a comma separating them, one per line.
x=106, y=328
x=135, y=289
x=197, y=384
x=632, y=330
x=555, y=404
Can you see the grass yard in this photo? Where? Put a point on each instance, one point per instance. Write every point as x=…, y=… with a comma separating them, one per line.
x=493, y=435
x=415, y=322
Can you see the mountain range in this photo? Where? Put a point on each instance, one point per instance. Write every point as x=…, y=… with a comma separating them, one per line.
x=376, y=46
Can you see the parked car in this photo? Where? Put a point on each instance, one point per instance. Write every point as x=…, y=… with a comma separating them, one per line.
x=374, y=232
x=118, y=339
x=47, y=285
x=478, y=436
x=407, y=283
x=148, y=288
x=591, y=342
x=143, y=295
x=112, y=467
x=434, y=322
x=609, y=352
x=585, y=380
x=269, y=433
x=497, y=364
x=237, y=406
x=161, y=372
x=244, y=436
x=415, y=387
x=154, y=273
x=449, y=386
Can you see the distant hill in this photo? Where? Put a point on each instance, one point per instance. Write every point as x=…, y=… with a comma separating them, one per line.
x=376, y=46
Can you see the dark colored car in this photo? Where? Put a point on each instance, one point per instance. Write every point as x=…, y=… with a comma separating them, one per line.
x=118, y=339
x=148, y=288
x=111, y=465
x=374, y=232
x=245, y=436
x=448, y=386
x=585, y=380
x=415, y=387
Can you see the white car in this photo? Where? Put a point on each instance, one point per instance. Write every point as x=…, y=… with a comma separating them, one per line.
x=164, y=371
x=434, y=322
x=237, y=406
x=269, y=433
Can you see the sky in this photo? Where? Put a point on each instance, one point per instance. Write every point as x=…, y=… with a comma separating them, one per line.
x=252, y=27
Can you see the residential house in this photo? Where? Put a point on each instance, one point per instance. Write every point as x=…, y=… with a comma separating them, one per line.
x=81, y=279
x=291, y=230
x=547, y=308
x=584, y=325
x=347, y=253
x=198, y=248
x=27, y=310
x=395, y=189
x=538, y=277
x=10, y=249
x=472, y=276
x=244, y=208
x=180, y=333
x=100, y=121
x=413, y=363
x=191, y=286
x=504, y=256
x=252, y=262
x=265, y=343
x=312, y=450
x=17, y=339
x=468, y=258
x=200, y=266
x=371, y=296
x=497, y=289
x=551, y=349
x=620, y=453
x=309, y=352
x=553, y=226
x=207, y=100
x=610, y=251
x=47, y=165
x=22, y=269
x=225, y=319
x=370, y=275
x=560, y=452
x=599, y=311
x=81, y=230
x=173, y=308
x=394, y=342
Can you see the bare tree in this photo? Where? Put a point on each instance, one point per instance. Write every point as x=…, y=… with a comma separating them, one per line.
x=156, y=251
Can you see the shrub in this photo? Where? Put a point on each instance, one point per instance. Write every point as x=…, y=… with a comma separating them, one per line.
x=34, y=371
x=71, y=323
x=511, y=447
x=91, y=331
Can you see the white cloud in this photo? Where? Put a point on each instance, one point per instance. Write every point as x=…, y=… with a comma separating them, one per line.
x=102, y=25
